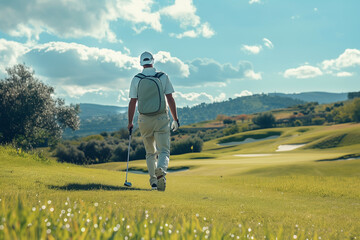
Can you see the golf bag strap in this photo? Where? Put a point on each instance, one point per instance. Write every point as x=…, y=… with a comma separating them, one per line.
x=140, y=75
x=159, y=74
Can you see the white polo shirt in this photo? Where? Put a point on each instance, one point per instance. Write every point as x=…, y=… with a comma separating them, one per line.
x=167, y=86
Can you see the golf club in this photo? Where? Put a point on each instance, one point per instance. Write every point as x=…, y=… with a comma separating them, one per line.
x=128, y=184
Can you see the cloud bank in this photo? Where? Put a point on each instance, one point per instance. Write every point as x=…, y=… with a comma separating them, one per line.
x=76, y=70
x=87, y=18
x=350, y=58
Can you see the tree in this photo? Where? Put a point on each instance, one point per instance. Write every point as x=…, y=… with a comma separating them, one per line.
x=29, y=115
x=355, y=110
x=264, y=120
x=242, y=117
x=352, y=95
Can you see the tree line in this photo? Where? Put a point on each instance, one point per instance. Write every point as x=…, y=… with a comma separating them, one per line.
x=113, y=147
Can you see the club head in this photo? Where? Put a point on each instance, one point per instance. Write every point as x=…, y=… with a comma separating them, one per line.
x=127, y=184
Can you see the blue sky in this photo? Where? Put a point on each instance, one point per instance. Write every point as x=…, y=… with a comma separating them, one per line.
x=212, y=50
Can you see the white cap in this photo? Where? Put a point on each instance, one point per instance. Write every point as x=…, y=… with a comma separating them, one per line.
x=146, y=58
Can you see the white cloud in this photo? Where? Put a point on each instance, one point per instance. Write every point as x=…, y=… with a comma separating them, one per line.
x=173, y=65
x=138, y=12
x=350, y=58
x=75, y=91
x=243, y=93
x=204, y=30
x=194, y=98
x=303, y=72
x=255, y=49
x=268, y=43
x=344, y=74
x=251, y=74
x=183, y=11
x=254, y=1
x=10, y=52
x=123, y=96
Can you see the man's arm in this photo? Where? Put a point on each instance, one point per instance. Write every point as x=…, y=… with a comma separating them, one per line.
x=131, y=112
x=172, y=105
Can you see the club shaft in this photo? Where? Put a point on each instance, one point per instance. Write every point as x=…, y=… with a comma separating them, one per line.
x=128, y=157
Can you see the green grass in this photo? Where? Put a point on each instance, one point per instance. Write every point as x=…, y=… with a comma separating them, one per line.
x=281, y=195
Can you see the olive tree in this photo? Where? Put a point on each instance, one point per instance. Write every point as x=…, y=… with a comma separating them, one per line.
x=29, y=115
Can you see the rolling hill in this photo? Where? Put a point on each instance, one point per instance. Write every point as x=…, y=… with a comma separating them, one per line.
x=100, y=118
x=88, y=110
x=320, y=97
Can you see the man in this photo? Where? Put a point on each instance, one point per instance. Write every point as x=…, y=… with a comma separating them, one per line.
x=154, y=127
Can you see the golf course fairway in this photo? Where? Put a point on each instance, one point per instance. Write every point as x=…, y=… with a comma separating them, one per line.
x=245, y=191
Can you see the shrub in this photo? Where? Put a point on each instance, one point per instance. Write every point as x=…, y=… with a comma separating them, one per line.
x=231, y=130
x=229, y=121
x=70, y=154
x=104, y=134
x=298, y=123
x=186, y=146
x=264, y=120
x=139, y=152
x=93, y=138
x=120, y=153
x=318, y=121
x=122, y=134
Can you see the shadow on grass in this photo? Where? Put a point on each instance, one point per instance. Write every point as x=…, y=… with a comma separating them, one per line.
x=94, y=187
x=222, y=148
x=355, y=156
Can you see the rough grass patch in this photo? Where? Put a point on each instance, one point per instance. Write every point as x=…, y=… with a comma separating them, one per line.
x=242, y=137
x=328, y=142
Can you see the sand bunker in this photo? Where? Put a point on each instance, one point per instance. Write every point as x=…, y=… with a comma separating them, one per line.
x=289, y=147
x=253, y=155
x=247, y=140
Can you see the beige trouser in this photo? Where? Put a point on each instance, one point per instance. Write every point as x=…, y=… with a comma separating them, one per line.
x=155, y=131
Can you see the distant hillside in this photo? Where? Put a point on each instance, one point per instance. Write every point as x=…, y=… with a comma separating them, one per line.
x=89, y=110
x=99, y=118
x=237, y=106
x=95, y=119
x=320, y=97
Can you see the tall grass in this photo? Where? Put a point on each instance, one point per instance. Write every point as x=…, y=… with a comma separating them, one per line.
x=69, y=219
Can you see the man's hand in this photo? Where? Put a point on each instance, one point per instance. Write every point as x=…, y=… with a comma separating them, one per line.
x=130, y=127
x=175, y=125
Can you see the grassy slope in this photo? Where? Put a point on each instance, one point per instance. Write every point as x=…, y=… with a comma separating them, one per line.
x=278, y=191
